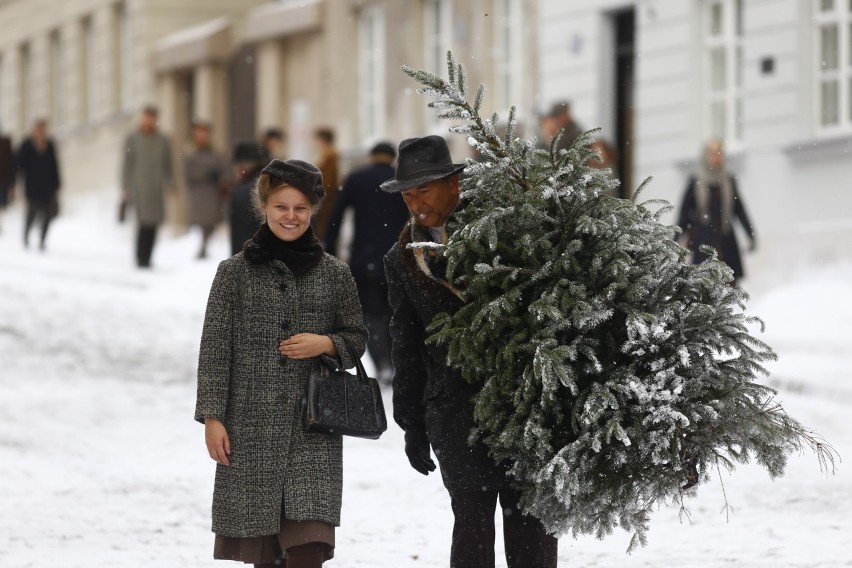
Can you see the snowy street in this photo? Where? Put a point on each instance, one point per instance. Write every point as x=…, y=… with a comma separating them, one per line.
x=102, y=465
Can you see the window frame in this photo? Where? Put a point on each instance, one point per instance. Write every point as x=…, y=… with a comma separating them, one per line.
x=508, y=53
x=372, y=39
x=437, y=41
x=730, y=40
x=842, y=19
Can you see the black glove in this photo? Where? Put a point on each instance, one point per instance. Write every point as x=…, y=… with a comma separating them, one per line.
x=417, y=450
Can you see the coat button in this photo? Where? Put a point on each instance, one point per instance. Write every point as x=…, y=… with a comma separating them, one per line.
x=282, y=361
x=285, y=326
x=283, y=286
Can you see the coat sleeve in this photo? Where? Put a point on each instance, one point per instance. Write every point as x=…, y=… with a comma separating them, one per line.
x=54, y=156
x=168, y=166
x=350, y=334
x=740, y=210
x=686, y=218
x=408, y=336
x=127, y=164
x=216, y=352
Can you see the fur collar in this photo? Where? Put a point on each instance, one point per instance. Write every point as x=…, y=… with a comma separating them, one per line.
x=300, y=255
x=427, y=266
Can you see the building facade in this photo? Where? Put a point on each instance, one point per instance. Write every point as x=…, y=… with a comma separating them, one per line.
x=90, y=65
x=772, y=78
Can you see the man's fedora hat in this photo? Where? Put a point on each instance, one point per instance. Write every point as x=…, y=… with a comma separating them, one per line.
x=421, y=160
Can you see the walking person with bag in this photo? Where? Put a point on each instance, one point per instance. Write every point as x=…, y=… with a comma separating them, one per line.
x=276, y=311
x=431, y=401
x=38, y=165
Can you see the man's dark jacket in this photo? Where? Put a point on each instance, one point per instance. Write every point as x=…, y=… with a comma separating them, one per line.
x=41, y=171
x=241, y=215
x=427, y=393
x=379, y=216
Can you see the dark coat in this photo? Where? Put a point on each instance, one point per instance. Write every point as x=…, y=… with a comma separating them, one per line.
x=244, y=382
x=427, y=393
x=40, y=171
x=379, y=217
x=7, y=169
x=241, y=215
x=709, y=231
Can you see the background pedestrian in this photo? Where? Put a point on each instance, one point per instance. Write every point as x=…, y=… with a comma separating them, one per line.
x=248, y=159
x=205, y=171
x=378, y=219
x=327, y=159
x=146, y=176
x=38, y=165
x=711, y=203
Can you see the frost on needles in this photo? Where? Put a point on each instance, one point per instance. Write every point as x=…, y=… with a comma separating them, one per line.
x=610, y=366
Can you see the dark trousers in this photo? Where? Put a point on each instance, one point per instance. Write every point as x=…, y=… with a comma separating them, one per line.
x=310, y=555
x=145, y=239
x=44, y=209
x=526, y=541
x=377, y=315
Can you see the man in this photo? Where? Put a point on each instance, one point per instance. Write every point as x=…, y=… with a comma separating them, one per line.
x=379, y=216
x=204, y=170
x=273, y=143
x=7, y=174
x=431, y=402
x=327, y=159
x=248, y=159
x=560, y=117
x=38, y=165
x=146, y=176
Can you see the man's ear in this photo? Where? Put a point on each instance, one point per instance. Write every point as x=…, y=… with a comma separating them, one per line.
x=453, y=180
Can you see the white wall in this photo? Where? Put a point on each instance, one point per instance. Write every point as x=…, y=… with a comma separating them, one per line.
x=794, y=183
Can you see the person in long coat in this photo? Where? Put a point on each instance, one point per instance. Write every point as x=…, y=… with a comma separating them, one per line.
x=38, y=164
x=8, y=173
x=248, y=158
x=379, y=216
x=431, y=401
x=275, y=312
x=711, y=204
x=327, y=163
x=146, y=175
x=205, y=170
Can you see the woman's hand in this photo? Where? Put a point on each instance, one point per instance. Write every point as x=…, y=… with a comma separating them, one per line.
x=307, y=345
x=218, y=444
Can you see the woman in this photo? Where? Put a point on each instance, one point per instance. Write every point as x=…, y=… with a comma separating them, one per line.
x=709, y=208
x=275, y=311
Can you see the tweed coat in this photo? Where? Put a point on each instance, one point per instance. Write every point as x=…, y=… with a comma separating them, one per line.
x=257, y=393
x=146, y=172
x=427, y=393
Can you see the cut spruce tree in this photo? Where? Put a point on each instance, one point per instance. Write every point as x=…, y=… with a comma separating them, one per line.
x=614, y=373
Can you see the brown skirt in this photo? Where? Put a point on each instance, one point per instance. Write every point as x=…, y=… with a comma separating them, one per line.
x=267, y=549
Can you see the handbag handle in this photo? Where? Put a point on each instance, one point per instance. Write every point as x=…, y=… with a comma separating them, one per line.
x=359, y=367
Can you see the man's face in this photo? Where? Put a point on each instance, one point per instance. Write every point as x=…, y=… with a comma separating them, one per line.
x=200, y=136
x=432, y=203
x=148, y=121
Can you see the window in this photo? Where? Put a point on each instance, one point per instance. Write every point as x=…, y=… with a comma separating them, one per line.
x=437, y=23
x=833, y=19
x=88, y=83
x=723, y=76
x=371, y=76
x=56, y=80
x=122, y=60
x=508, y=53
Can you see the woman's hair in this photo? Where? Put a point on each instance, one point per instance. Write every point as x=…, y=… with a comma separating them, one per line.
x=268, y=184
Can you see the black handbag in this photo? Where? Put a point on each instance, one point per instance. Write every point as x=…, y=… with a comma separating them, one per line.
x=339, y=403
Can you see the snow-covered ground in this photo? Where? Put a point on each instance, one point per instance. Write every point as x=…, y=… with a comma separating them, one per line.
x=101, y=464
